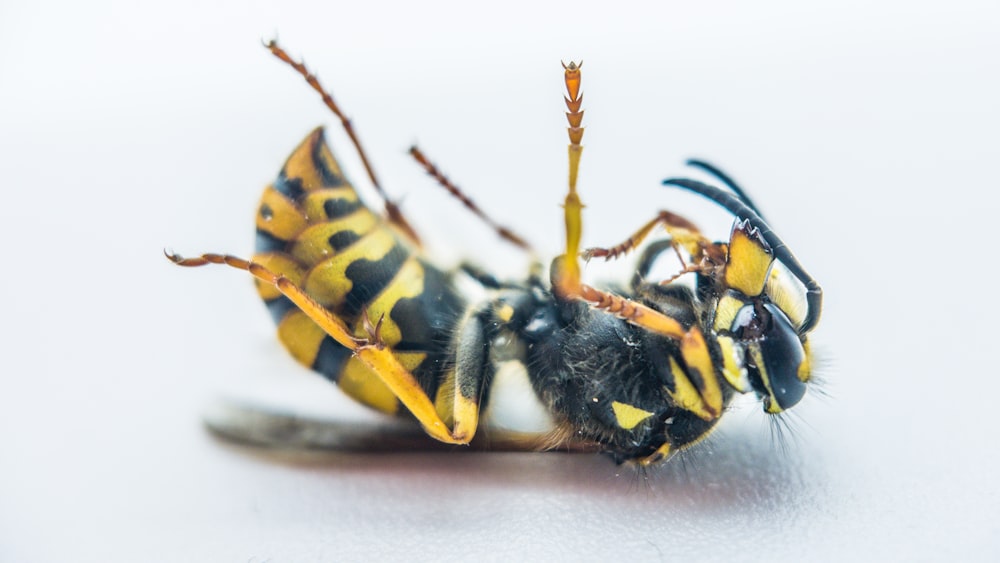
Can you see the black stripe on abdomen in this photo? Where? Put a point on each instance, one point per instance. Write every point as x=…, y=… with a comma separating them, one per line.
x=370, y=277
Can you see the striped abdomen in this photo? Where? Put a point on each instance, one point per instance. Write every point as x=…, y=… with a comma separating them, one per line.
x=312, y=228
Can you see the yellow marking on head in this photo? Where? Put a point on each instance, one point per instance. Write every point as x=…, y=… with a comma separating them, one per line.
x=279, y=263
x=804, y=372
x=313, y=203
x=732, y=365
x=787, y=293
x=747, y=264
x=328, y=283
x=313, y=244
x=408, y=282
x=301, y=337
x=504, y=312
x=302, y=166
x=629, y=416
x=725, y=312
x=694, y=350
x=278, y=215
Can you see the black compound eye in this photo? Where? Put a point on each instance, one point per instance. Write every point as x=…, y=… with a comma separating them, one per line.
x=774, y=354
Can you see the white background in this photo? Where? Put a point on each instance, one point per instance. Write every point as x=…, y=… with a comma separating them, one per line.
x=867, y=132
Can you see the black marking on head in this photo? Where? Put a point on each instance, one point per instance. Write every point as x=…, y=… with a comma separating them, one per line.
x=330, y=359
x=266, y=212
x=370, y=277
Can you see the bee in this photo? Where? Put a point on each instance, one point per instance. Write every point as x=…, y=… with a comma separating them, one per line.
x=639, y=374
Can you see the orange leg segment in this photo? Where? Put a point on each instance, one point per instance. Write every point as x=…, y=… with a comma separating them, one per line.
x=566, y=277
x=370, y=350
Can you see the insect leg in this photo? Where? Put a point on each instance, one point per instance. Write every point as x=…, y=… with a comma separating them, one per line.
x=648, y=258
x=680, y=229
x=696, y=388
x=371, y=350
x=566, y=277
x=392, y=210
x=461, y=393
x=455, y=191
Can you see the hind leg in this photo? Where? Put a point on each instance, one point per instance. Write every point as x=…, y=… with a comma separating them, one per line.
x=370, y=349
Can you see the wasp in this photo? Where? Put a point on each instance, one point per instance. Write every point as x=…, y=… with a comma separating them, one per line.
x=639, y=374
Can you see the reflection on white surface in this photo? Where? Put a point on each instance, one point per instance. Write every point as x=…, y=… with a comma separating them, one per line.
x=866, y=132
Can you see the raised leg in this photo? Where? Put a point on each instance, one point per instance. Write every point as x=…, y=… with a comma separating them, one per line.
x=392, y=210
x=566, y=276
x=696, y=388
x=370, y=349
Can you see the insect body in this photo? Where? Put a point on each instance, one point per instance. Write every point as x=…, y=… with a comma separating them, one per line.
x=638, y=376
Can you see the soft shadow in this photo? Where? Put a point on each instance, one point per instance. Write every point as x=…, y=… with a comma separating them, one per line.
x=737, y=465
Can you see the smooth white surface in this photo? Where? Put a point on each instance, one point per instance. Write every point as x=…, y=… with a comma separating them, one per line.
x=866, y=131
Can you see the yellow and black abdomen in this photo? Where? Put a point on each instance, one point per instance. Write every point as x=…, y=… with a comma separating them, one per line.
x=313, y=229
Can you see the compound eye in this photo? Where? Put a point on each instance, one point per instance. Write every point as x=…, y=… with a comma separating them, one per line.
x=774, y=354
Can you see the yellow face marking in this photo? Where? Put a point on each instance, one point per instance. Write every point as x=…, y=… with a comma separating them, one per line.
x=694, y=350
x=629, y=416
x=732, y=368
x=747, y=264
x=785, y=292
x=313, y=244
x=328, y=283
x=301, y=337
x=278, y=215
x=408, y=282
x=725, y=312
x=301, y=164
x=278, y=263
